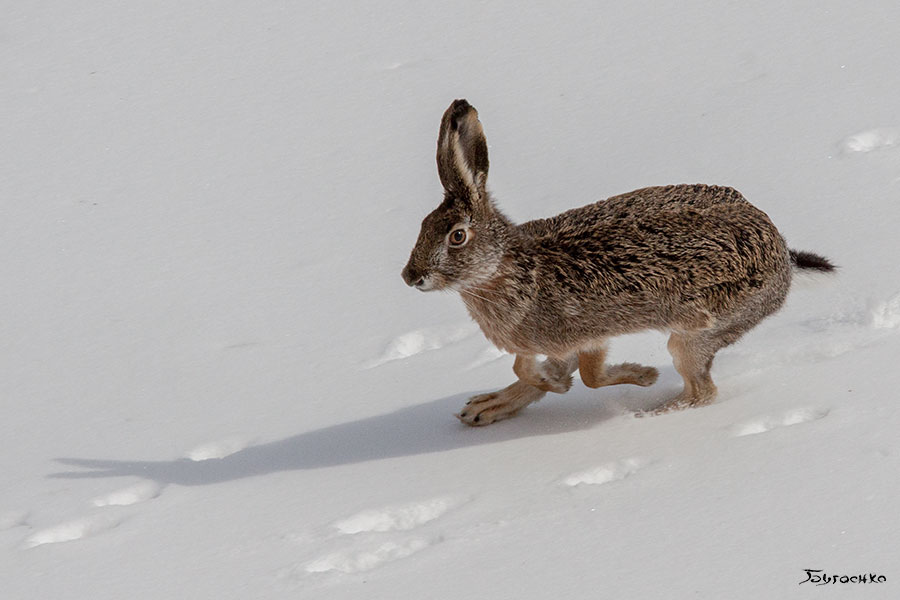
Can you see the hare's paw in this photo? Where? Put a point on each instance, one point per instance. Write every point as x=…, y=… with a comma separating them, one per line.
x=555, y=385
x=679, y=402
x=480, y=410
x=686, y=400
x=633, y=373
x=485, y=409
x=556, y=376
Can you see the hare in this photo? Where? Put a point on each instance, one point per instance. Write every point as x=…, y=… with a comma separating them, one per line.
x=697, y=261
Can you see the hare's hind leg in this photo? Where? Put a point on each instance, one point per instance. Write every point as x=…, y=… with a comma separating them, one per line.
x=693, y=354
x=693, y=351
x=595, y=373
x=485, y=409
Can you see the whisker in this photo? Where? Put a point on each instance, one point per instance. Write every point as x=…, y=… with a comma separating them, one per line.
x=520, y=326
x=474, y=295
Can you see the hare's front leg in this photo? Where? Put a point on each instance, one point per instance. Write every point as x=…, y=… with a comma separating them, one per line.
x=595, y=373
x=485, y=409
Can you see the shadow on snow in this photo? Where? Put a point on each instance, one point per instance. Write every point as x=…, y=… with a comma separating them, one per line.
x=421, y=429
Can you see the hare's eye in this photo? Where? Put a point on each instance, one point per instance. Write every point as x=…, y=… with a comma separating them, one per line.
x=458, y=237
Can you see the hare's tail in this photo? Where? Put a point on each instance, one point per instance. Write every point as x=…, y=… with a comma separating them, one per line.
x=808, y=261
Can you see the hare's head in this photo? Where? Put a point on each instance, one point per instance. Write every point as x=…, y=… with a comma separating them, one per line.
x=462, y=241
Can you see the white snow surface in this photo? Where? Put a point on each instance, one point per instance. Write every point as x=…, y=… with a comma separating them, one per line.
x=215, y=385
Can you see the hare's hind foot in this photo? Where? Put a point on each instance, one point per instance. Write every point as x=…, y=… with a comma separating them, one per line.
x=632, y=373
x=485, y=409
x=692, y=399
x=595, y=373
x=692, y=353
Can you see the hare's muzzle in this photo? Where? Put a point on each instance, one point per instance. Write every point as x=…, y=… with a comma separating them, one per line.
x=412, y=277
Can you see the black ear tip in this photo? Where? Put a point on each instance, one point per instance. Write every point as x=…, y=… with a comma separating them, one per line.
x=458, y=109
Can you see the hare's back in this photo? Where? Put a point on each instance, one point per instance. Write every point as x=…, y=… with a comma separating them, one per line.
x=698, y=195
x=642, y=204
x=651, y=209
x=683, y=236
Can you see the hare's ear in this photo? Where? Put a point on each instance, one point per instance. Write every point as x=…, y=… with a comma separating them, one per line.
x=462, y=155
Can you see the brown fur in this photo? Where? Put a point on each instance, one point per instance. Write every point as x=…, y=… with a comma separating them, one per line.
x=595, y=373
x=696, y=260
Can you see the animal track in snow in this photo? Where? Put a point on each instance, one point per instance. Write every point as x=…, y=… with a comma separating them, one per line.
x=792, y=417
x=72, y=530
x=422, y=340
x=613, y=471
x=872, y=139
x=139, y=492
x=366, y=560
x=219, y=449
x=397, y=518
x=369, y=538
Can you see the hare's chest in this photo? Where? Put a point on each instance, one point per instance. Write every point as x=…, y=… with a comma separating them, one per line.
x=506, y=324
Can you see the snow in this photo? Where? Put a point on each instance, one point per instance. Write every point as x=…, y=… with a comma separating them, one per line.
x=214, y=383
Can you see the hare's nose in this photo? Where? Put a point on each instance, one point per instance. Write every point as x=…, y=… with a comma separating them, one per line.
x=412, y=278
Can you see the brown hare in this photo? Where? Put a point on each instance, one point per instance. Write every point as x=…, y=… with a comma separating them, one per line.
x=698, y=261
